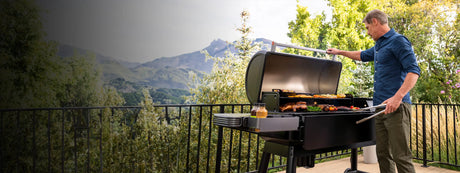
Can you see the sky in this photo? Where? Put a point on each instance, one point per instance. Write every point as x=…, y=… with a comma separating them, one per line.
x=142, y=30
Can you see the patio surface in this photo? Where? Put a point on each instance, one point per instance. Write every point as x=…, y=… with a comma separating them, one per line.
x=336, y=166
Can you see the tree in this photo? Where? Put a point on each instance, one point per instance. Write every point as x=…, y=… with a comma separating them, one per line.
x=28, y=70
x=31, y=73
x=432, y=27
x=82, y=85
x=345, y=31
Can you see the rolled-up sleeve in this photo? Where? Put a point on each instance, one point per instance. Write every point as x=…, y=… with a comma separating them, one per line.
x=406, y=55
x=367, y=55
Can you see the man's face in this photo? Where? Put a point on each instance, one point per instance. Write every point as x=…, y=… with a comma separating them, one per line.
x=371, y=30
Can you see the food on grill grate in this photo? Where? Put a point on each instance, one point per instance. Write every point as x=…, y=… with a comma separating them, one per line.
x=314, y=109
x=329, y=96
x=301, y=96
x=344, y=108
x=298, y=106
x=302, y=106
x=327, y=108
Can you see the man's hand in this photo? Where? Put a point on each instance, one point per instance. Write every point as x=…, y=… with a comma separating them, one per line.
x=392, y=104
x=355, y=55
x=333, y=51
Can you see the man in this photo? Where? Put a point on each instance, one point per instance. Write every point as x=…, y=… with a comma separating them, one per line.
x=396, y=72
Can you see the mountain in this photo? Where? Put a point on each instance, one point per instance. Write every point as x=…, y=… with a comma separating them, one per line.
x=165, y=72
x=195, y=60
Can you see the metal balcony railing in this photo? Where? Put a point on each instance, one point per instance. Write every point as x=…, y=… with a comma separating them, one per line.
x=173, y=138
x=435, y=134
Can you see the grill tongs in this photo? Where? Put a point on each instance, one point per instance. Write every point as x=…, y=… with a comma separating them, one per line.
x=372, y=116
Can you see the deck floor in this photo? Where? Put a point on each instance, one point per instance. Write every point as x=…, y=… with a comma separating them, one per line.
x=340, y=165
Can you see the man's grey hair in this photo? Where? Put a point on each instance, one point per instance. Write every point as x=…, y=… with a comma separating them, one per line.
x=377, y=14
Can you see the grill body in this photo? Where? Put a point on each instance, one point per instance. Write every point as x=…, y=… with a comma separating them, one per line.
x=300, y=135
x=325, y=132
x=270, y=72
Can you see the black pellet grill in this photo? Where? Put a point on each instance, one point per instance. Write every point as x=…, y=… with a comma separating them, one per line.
x=299, y=136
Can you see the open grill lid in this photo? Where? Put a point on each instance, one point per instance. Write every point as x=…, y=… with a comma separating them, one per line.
x=272, y=70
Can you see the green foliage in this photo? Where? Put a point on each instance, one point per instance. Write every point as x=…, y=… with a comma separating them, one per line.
x=153, y=141
x=123, y=85
x=132, y=98
x=32, y=75
x=361, y=84
x=151, y=128
x=345, y=31
x=79, y=78
x=308, y=32
x=432, y=27
x=169, y=96
x=28, y=72
x=160, y=95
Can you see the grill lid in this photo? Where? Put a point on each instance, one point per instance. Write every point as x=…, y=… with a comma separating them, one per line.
x=272, y=70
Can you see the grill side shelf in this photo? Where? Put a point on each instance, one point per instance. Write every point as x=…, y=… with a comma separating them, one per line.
x=230, y=119
x=274, y=124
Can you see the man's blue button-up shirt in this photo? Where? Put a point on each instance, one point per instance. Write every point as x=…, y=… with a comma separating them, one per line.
x=393, y=58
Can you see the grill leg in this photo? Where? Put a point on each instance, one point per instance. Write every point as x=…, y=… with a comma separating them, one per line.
x=291, y=163
x=264, y=162
x=219, y=148
x=354, y=159
x=354, y=162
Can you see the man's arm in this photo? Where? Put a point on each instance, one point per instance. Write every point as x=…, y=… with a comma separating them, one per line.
x=394, y=102
x=355, y=55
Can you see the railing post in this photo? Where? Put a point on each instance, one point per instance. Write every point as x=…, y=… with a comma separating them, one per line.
x=219, y=143
x=424, y=137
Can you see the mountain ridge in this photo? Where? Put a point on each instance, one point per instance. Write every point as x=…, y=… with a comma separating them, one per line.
x=163, y=72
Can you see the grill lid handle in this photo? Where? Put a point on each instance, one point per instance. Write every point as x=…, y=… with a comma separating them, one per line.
x=274, y=44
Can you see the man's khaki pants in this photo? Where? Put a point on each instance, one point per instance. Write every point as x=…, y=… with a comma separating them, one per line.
x=392, y=136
